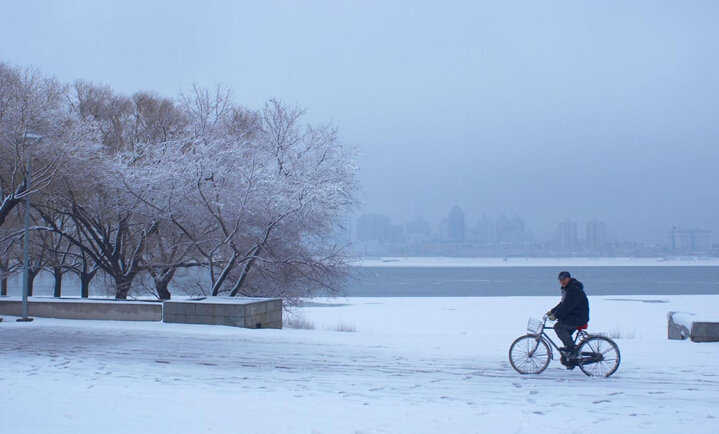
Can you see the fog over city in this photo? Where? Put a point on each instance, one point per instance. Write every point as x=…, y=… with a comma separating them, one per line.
x=546, y=111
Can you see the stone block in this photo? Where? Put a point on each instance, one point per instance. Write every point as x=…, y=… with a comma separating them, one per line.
x=174, y=318
x=203, y=308
x=678, y=326
x=237, y=312
x=91, y=309
x=705, y=332
x=252, y=321
x=255, y=308
x=274, y=305
x=273, y=325
x=236, y=321
x=274, y=316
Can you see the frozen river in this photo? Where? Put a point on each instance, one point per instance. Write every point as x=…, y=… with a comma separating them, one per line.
x=436, y=280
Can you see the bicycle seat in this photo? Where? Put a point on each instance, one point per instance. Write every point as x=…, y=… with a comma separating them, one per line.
x=584, y=327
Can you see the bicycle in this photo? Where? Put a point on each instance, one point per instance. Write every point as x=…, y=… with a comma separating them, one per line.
x=597, y=356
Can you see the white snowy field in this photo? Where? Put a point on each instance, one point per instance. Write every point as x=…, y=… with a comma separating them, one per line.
x=413, y=365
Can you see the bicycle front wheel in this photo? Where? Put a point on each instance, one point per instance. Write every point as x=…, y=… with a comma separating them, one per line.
x=529, y=354
x=598, y=356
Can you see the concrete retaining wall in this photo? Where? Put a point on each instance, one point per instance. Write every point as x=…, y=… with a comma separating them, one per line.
x=238, y=312
x=98, y=309
x=232, y=311
x=705, y=332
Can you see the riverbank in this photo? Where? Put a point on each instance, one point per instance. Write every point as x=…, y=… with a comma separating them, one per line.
x=369, y=365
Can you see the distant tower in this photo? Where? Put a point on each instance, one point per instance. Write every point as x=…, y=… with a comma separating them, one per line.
x=373, y=227
x=596, y=235
x=567, y=235
x=455, y=223
x=696, y=241
x=483, y=230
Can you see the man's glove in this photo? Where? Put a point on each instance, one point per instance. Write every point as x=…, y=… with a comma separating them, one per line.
x=551, y=316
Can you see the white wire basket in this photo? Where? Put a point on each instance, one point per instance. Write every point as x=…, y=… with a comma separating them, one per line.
x=535, y=326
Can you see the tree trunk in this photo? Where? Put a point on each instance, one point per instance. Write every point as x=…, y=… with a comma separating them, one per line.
x=162, y=291
x=245, y=272
x=57, y=273
x=85, y=279
x=122, y=286
x=31, y=275
x=4, y=268
x=223, y=275
x=6, y=205
x=162, y=282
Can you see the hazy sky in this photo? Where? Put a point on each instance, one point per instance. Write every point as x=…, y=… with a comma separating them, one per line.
x=546, y=110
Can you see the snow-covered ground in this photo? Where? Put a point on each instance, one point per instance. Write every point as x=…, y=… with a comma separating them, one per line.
x=413, y=365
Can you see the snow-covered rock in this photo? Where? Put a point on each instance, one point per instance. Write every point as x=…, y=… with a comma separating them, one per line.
x=679, y=325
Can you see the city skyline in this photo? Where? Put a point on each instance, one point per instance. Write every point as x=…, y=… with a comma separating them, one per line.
x=592, y=236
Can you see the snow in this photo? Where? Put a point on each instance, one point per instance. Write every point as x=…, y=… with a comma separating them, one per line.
x=414, y=365
x=140, y=300
x=102, y=300
x=220, y=300
x=535, y=262
x=686, y=319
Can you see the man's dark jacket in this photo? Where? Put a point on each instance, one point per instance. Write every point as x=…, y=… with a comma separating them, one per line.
x=573, y=310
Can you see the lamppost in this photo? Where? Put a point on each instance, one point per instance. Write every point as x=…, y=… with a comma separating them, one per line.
x=26, y=238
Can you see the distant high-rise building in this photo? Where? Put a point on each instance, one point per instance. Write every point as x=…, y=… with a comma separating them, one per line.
x=418, y=226
x=567, y=235
x=691, y=240
x=510, y=230
x=378, y=227
x=443, y=229
x=418, y=230
x=596, y=235
x=455, y=224
x=483, y=232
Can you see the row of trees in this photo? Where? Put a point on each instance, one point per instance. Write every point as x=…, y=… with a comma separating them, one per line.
x=148, y=186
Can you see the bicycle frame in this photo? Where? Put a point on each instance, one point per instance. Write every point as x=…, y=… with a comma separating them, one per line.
x=579, y=337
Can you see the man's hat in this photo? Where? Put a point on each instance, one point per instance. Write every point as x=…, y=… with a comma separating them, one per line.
x=564, y=275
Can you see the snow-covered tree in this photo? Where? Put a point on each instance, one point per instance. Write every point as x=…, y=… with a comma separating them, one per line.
x=139, y=184
x=30, y=106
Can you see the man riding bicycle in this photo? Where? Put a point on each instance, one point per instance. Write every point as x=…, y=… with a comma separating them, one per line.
x=571, y=313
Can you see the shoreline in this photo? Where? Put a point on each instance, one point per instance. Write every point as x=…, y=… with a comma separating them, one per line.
x=482, y=262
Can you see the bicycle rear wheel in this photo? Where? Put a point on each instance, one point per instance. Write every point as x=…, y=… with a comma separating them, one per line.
x=598, y=356
x=529, y=354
